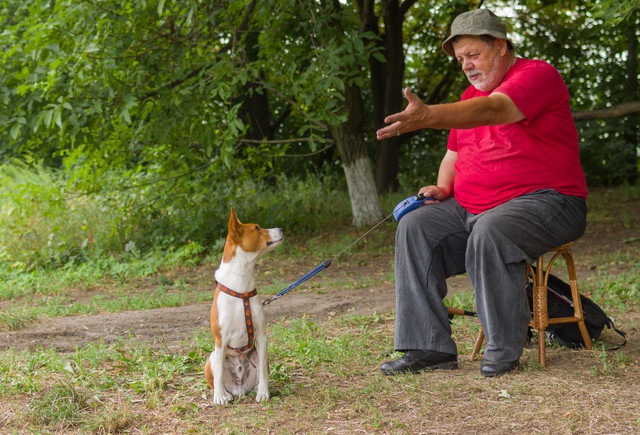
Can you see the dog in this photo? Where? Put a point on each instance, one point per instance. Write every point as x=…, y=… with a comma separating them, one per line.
x=238, y=363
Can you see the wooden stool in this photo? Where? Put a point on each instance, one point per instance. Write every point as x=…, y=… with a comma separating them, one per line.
x=540, y=320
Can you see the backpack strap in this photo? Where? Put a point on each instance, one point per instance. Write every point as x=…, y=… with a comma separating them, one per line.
x=611, y=324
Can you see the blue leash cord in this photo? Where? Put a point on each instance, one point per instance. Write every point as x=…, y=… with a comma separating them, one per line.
x=320, y=267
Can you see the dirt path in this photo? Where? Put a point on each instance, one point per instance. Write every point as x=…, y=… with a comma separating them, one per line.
x=171, y=327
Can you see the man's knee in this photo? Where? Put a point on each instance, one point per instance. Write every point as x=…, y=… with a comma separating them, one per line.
x=486, y=231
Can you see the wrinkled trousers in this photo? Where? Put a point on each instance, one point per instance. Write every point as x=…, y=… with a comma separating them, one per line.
x=495, y=247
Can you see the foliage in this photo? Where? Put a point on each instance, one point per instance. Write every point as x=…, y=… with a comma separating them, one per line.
x=42, y=224
x=605, y=152
x=140, y=123
x=159, y=88
x=45, y=225
x=616, y=11
x=168, y=88
x=593, y=56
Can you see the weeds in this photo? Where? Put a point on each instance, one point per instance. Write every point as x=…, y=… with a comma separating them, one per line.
x=62, y=405
x=44, y=225
x=111, y=421
x=15, y=319
x=604, y=366
x=324, y=374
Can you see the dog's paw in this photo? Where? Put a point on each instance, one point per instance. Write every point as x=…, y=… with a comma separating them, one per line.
x=262, y=396
x=221, y=398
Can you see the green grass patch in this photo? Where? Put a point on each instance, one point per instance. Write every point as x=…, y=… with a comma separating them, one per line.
x=324, y=376
x=62, y=405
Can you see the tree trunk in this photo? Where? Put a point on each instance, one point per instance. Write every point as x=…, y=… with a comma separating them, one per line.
x=365, y=203
x=388, y=158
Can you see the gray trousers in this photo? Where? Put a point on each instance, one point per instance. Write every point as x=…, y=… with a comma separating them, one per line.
x=437, y=241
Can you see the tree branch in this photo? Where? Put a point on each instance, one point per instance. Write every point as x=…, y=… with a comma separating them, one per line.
x=244, y=24
x=276, y=141
x=311, y=154
x=611, y=112
x=406, y=5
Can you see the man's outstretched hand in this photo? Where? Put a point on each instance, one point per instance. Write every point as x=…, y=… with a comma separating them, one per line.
x=412, y=118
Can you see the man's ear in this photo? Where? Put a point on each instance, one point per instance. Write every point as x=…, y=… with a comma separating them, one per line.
x=504, y=49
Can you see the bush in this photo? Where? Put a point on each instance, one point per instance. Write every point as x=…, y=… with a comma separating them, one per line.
x=46, y=224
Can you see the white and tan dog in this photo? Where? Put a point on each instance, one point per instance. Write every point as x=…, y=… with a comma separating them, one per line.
x=238, y=363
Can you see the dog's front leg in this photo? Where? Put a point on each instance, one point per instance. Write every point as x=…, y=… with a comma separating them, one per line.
x=220, y=394
x=262, y=389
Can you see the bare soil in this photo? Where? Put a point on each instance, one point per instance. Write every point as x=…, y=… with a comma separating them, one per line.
x=171, y=327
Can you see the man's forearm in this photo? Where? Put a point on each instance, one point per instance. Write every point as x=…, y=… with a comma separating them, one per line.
x=495, y=109
x=474, y=112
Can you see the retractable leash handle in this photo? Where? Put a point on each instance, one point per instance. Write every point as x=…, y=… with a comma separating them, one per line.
x=410, y=204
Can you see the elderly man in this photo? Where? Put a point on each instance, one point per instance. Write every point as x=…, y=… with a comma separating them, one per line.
x=510, y=187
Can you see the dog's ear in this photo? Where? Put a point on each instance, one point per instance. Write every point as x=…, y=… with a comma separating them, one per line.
x=234, y=222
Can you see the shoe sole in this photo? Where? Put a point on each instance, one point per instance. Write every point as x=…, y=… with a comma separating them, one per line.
x=449, y=365
x=499, y=373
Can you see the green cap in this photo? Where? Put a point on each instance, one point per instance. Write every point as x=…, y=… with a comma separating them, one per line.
x=476, y=22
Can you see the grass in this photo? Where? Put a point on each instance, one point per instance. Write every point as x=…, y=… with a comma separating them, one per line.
x=61, y=406
x=324, y=372
x=325, y=379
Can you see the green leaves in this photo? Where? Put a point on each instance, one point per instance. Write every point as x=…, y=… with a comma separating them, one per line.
x=160, y=7
x=164, y=86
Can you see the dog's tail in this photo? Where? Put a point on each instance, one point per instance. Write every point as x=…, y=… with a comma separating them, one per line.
x=208, y=374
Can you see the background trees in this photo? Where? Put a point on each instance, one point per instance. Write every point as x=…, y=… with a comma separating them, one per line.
x=187, y=101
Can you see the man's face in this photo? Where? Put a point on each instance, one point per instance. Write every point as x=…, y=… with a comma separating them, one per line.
x=485, y=65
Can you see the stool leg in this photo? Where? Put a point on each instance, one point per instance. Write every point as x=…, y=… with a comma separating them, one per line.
x=575, y=296
x=540, y=313
x=478, y=344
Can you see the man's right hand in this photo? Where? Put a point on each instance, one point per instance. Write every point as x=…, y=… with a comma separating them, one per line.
x=410, y=119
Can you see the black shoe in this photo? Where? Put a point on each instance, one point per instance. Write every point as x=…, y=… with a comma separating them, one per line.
x=415, y=361
x=490, y=369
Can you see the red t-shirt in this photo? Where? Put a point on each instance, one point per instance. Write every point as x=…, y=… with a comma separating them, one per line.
x=501, y=162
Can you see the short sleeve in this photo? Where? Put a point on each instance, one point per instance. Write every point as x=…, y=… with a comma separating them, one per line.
x=452, y=142
x=535, y=87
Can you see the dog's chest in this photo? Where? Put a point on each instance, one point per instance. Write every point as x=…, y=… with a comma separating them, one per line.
x=235, y=320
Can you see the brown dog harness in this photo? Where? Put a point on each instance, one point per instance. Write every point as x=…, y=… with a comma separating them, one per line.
x=247, y=314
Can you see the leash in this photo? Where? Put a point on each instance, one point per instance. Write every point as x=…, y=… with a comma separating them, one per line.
x=400, y=210
x=325, y=264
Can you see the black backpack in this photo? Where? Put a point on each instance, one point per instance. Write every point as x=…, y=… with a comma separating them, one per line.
x=559, y=304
